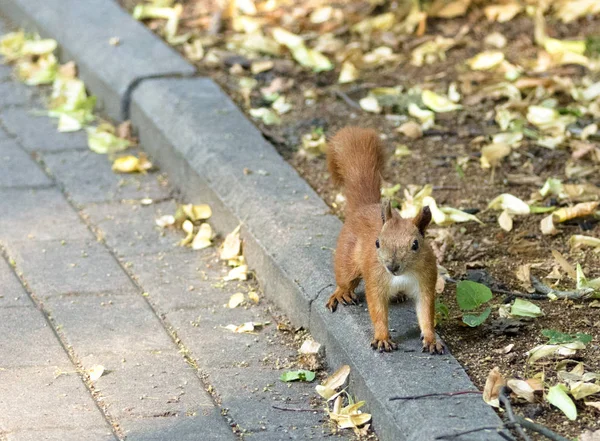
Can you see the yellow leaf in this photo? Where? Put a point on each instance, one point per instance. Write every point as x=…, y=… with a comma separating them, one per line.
x=580, y=210
x=238, y=273
x=349, y=73
x=493, y=154
x=438, y=103
x=253, y=296
x=197, y=212
x=486, y=60
x=232, y=245
x=505, y=221
x=203, y=238
x=236, y=300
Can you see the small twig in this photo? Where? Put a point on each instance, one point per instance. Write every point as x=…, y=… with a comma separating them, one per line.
x=505, y=400
x=293, y=409
x=347, y=99
x=540, y=429
x=439, y=395
x=479, y=429
x=533, y=296
x=543, y=289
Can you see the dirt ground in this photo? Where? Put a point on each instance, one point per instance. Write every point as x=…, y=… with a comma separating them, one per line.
x=447, y=157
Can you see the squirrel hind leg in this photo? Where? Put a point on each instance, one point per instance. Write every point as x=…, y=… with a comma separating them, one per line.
x=344, y=295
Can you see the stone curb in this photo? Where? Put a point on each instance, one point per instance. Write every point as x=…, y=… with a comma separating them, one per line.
x=215, y=155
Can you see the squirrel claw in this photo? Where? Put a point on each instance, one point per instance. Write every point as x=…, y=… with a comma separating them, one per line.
x=345, y=298
x=386, y=345
x=433, y=346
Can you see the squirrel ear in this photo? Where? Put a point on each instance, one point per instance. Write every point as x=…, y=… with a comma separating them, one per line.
x=423, y=219
x=386, y=211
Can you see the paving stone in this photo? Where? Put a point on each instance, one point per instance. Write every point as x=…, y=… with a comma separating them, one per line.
x=41, y=214
x=87, y=177
x=51, y=434
x=3, y=134
x=148, y=384
x=38, y=398
x=130, y=229
x=183, y=279
x=12, y=293
x=107, y=323
x=26, y=339
x=39, y=133
x=17, y=169
x=72, y=267
x=16, y=94
x=208, y=426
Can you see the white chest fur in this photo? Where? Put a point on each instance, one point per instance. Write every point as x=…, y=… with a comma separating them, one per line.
x=405, y=283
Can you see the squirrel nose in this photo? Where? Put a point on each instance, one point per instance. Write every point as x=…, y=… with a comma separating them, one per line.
x=393, y=267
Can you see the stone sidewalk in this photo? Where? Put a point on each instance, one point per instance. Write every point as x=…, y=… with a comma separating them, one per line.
x=86, y=279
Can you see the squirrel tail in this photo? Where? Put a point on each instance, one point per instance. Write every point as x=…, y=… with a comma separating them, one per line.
x=355, y=160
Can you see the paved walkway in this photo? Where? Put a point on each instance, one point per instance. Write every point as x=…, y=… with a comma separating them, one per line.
x=86, y=279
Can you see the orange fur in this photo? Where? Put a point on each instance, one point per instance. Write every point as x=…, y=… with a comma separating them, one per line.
x=355, y=160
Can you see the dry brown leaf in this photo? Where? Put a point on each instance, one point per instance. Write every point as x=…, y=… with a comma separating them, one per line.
x=594, y=404
x=522, y=389
x=328, y=389
x=566, y=266
x=547, y=226
x=491, y=391
x=524, y=275
x=580, y=210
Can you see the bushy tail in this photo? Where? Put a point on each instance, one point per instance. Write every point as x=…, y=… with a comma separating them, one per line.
x=355, y=160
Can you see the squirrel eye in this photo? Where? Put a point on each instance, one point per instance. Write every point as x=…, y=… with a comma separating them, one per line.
x=415, y=245
x=377, y=243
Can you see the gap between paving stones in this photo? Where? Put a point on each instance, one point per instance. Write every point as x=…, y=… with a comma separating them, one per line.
x=204, y=143
x=67, y=349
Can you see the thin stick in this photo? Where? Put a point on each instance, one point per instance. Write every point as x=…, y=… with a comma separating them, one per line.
x=293, y=409
x=347, y=99
x=503, y=397
x=439, y=395
x=499, y=430
x=540, y=429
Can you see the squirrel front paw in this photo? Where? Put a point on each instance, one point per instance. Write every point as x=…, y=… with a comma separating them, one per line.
x=384, y=344
x=343, y=297
x=433, y=345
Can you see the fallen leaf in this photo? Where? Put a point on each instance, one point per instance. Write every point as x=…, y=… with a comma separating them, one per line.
x=438, y=103
x=595, y=405
x=349, y=73
x=236, y=300
x=165, y=221
x=510, y=203
x=253, y=296
x=232, y=245
x=493, y=154
x=522, y=389
x=502, y=12
x=95, y=372
x=578, y=241
x=580, y=210
x=238, y=273
x=557, y=396
x=523, y=273
x=370, y=104
x=411, y=130
x=303, y=55
x=581, y=390
x=542, y=351
x=524, y=308
x=328, y=389
x=132, y=164
x=547, y=226
x=299, y=375
x=486, y=60
x=505, y=221
x=203, y=237
x=427, y=117
x=491, y=390
x=196, y=212
x=247, y=327
x=266, y=115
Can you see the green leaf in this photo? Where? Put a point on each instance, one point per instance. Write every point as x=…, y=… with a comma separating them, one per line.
x=441, y=309
x=557, y=337
x=476, y=320
x=471, y=295
x=524, y=308
x=299, y=375
x=557, y=396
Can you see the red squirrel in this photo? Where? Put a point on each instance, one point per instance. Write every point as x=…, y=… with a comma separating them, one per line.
x=376, y=244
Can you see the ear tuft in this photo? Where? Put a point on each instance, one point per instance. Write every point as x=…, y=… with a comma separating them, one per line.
x=386, y=211
x=423, y=219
